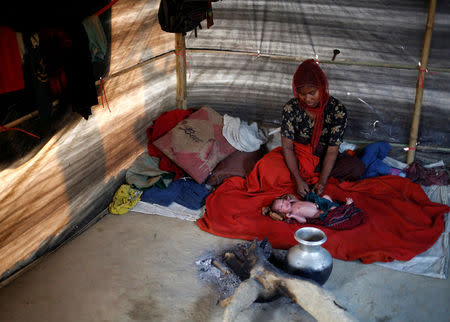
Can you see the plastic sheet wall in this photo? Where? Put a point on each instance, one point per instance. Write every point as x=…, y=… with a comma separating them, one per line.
x=380, y=100
x=74, y=176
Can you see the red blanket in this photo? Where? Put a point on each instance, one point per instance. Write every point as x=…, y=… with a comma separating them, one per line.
x=401, y=221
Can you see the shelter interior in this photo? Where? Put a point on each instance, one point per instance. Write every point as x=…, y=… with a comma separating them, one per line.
x=65, y=153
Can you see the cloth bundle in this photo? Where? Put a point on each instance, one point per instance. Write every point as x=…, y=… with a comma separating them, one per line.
x=340, y=218
x=185, y=192
x=243, y=137
x=427, y=176
x=144, y=173
x=373, y=159
x=125, y=198
x=322, y=203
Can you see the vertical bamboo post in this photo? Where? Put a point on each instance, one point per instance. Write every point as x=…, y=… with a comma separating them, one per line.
x=420, y=83
x=180, y=54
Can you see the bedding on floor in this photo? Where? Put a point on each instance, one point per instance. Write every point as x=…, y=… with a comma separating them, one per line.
x=434, y=261
x=401, y=220
x=174, y=210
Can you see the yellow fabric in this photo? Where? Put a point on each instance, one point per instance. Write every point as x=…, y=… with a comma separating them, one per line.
x=124, y=199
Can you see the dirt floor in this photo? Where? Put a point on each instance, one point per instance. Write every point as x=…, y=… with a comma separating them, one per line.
x=139, y=267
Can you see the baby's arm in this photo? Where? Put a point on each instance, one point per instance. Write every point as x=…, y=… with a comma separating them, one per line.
x=348, y=201
x=300, y=219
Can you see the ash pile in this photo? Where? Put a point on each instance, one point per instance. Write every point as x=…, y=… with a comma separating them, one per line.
x=216, y=267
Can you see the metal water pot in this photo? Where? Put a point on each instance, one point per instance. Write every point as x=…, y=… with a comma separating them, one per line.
x=309, y=259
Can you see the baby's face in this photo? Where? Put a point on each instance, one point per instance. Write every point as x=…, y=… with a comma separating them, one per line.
x=282, y=205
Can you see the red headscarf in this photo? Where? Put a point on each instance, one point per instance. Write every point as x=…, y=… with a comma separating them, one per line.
x=310, y=74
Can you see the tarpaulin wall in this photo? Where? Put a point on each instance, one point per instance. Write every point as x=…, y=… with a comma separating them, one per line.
x=74, y=176
x=242, y=66
x=370, y=36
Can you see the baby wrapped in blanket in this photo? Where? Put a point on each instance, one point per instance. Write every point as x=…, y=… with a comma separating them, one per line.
x=315, y=210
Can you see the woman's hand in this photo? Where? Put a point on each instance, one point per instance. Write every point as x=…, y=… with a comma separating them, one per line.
x=318, y=188
x=302, y=188
x=292, y=164
x=328, y=164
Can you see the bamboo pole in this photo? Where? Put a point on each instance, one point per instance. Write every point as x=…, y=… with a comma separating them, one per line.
x=245, y=53
x=420, y=83
x=27, y=117
x=138, y=65
x=403, y=146
x=180, y=52
x=22, y=119
x=300, y=59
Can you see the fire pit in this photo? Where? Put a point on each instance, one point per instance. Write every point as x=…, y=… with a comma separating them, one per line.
x=261, y=272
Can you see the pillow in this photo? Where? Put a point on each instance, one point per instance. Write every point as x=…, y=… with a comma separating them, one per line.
x=239, y=163
x=196, y=144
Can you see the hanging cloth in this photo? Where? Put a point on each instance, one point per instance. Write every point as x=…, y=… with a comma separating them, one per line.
x=11, y=73
x=97, y=38
x=37, y=75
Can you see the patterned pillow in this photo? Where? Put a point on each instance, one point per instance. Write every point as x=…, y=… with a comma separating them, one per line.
x=196, y=144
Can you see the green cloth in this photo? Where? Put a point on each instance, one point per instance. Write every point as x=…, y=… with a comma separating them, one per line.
x=322, y=203
x=145, y=173
x=97, y=38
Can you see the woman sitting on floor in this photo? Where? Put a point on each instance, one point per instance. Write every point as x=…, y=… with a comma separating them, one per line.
x=317, y=120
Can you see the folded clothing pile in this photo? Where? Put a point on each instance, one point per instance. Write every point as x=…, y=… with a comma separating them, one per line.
x=184, y=191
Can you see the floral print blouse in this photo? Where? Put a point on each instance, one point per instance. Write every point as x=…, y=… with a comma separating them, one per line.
x=296, y=124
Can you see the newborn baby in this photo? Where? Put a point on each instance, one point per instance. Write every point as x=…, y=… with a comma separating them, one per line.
x=291, y=207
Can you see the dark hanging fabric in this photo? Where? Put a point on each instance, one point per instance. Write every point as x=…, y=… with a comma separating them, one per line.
x=55, y=48
x=180, y=16
x=24, y=15
x=36, y=77
x=67, y=54
x=77, y=74
x=79, y=71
